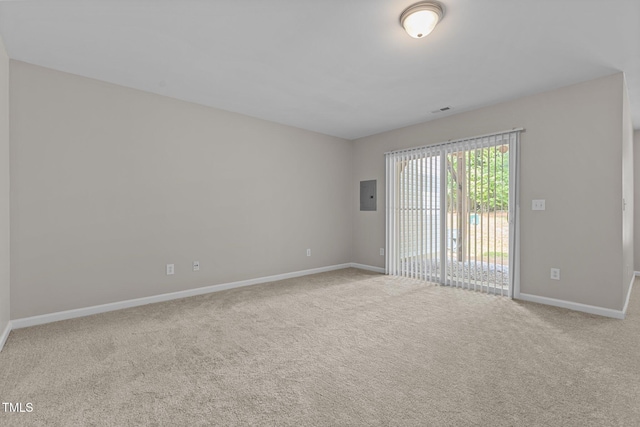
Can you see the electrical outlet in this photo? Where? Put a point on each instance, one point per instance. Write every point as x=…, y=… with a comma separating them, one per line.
x=381, y=251
x=308, y=252
x=170, y=269
x=196, y=265
x=555, y=273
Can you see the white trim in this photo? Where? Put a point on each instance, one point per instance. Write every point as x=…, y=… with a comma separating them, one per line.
x=626, y=301
x=592, y=309
x=516, y=250
x=5, y=335
x=103, y=308
x=368, y=267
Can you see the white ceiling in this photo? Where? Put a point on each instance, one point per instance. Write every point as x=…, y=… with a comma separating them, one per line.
x=339, y=67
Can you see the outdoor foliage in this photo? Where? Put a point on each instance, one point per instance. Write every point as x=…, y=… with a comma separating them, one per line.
x=487, y=179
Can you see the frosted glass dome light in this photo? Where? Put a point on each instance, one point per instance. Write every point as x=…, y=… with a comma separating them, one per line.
x=421, y=18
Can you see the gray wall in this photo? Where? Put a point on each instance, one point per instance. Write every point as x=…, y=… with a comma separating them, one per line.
x=636, y=179
x=627, y=193
x=109, y=184
x=4, y=188
x=571, y=157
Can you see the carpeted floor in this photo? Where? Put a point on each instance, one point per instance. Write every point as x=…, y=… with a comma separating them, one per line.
x=342, y=348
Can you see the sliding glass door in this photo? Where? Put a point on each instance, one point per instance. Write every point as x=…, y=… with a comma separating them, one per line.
x=451, y=213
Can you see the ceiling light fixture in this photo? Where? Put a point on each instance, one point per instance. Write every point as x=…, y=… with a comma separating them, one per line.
x=420, y=19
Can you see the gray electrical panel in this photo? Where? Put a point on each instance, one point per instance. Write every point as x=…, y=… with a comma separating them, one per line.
x=368, y=195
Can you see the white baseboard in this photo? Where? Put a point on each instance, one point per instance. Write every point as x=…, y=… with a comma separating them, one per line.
x=368, y=267
x=5, y=335
x=592, y=309
x=103, y=308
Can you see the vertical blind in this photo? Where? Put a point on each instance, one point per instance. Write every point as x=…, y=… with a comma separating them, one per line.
x=450, y=212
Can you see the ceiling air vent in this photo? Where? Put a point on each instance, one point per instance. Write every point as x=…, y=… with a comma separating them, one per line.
x=441, y=110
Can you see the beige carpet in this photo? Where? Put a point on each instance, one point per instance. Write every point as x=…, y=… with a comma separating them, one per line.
x=334, y=349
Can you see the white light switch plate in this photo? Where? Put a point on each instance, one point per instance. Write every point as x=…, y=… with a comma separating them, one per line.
x=537, y=205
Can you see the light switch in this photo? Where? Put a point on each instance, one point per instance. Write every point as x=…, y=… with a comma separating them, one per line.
x=537, y=205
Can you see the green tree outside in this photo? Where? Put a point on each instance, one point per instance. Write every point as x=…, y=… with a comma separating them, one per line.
x=487, y=178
